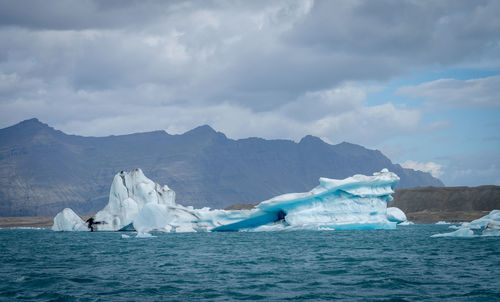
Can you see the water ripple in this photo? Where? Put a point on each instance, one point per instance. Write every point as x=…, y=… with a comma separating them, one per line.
x=394, y=265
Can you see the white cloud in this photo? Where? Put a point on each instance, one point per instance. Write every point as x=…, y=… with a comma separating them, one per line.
x=473, y=93
x=431, y=167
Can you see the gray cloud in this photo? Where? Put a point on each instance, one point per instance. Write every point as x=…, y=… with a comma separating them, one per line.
x=431, y=167
x=80, y=15
x=273, y=69
x=413, y=32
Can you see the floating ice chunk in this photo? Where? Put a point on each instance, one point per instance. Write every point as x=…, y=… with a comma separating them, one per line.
x=442, y=222
x=491, y=232
x=493, y=218
x=24, y=228
x=493, y=226
x=396, y=215
x=488, y=225
x=125, y=236
x=67, y=220
x=405, y=223
x=458, y=233
x=144, y=235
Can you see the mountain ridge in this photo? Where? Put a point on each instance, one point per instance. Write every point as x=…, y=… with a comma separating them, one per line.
x=44, y=170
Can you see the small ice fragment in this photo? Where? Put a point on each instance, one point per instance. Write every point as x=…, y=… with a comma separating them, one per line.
x=144, y=235
x=395, y=214
x=67, y=220
x=488, y=225
x=458, y=233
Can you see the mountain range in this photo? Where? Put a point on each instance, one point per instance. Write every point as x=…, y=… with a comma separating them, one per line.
x=43, y=170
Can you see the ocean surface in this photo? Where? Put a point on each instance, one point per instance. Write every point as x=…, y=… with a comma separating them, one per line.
x=398, y=265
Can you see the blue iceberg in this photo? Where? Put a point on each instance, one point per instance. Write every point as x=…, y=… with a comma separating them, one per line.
x=357, y=202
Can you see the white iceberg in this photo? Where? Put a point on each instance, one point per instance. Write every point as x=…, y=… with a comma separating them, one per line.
x=67, y=220
x=138, y=203
x=488, y=225
x=164, y=218
x=357, y=202
x=129, y=192
x=442, y=222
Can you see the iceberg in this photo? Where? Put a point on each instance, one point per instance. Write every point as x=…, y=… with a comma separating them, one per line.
x=488, y=225
x=67, y=220
x=136, y=203
x=357, y=202
x=129, y=192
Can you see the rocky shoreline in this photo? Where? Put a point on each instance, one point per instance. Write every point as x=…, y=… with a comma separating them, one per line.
x=424, y=217
x=29, y=221
x=26, y=222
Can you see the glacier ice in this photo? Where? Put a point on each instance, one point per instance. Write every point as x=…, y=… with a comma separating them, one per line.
x=458, y=233
x=129, y=192
x=138, y=203
x=488, y=225
x=396, y=215
x=357, y=202
x=67, y=220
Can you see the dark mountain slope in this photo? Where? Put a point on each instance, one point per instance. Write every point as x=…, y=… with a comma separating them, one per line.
x=431, y=204
x=446, y=199
x=43, y=170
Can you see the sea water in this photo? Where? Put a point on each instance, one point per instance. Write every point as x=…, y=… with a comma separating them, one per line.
x=405, y=264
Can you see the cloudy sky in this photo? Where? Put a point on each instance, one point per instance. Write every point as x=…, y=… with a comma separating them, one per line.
x=418, y=80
